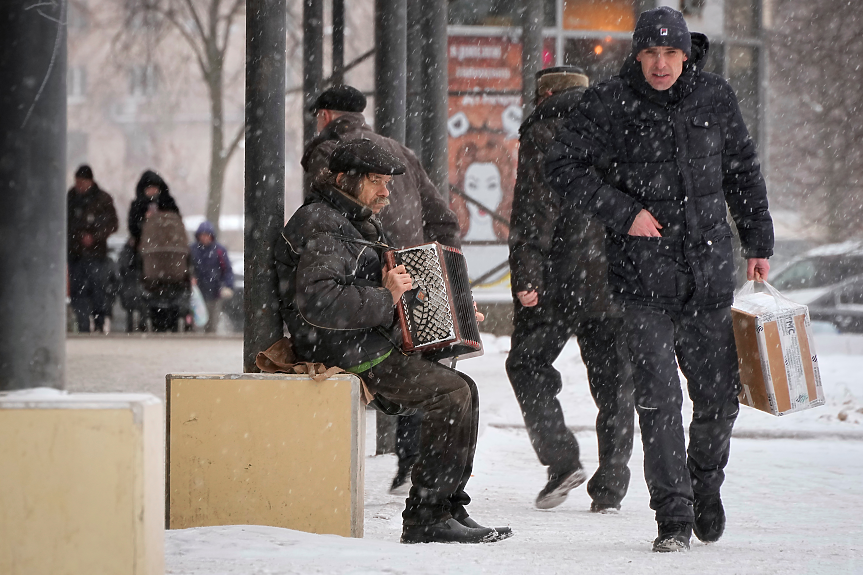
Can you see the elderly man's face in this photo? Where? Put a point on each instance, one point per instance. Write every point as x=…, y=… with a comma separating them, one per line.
x=661, y=66
x=374, y=193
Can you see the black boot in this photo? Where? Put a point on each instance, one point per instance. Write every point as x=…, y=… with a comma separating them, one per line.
x=401, y=484
x=673, y=536
x=558, y=487
x=502, y=532
x=449, y=531
x=709, y=518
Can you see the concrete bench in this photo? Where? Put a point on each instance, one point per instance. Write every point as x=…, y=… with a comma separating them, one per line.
x=265, y=449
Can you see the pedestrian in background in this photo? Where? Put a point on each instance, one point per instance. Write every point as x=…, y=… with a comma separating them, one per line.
x=559, y=280
x=91, y=219
x=212, y=272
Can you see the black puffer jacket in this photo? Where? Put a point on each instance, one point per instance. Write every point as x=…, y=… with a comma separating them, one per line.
x=138, y=210
x=554, y=248
x=417, y=213
x=682, y=154
x=330, y=290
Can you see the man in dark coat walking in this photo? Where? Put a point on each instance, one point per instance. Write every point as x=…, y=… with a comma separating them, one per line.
x=559, y=282
x=660, y=154
x=91, y=219
x=417, y=213
x=338, y=305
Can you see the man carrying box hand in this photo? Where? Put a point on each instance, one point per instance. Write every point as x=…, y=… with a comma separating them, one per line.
x=656, y=154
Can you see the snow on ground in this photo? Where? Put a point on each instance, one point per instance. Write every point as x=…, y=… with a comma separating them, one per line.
x=794, y=505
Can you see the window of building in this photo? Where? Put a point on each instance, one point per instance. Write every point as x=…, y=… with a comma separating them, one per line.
x=506, y=13
x=76, y=149
x=599, y=15
x=76, y=83
x=143, y=80
x=600, y=58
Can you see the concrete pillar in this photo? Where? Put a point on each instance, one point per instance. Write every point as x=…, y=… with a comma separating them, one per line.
x=435, y=157
x=33, y=178
x=531, y=52
x=265, y=173
x=390, y=68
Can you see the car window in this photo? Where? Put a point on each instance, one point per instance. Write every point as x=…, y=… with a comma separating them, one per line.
x=852, y=294
x=818, y=272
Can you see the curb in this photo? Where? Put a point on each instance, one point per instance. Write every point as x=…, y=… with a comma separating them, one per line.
x=737, y=434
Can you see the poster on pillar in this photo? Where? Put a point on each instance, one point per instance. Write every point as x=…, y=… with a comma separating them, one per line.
x=485, y=113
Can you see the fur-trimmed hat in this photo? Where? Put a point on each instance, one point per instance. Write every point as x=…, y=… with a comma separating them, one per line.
x=362, y=156
x=661, y=26
x=560, y=78
x=84, y=172
x=341, y=99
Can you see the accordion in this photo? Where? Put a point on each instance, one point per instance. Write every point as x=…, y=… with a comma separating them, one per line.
x=437, y=314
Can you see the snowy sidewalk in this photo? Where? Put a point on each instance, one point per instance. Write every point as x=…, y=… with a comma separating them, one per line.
x=794, y=506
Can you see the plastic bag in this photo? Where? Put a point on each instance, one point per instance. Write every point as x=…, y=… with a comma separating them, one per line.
x=200, y=315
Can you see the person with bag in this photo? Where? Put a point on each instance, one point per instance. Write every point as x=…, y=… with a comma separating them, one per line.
x=160, y=241
x=212, y=272
x=339, y=307
x=659, y=154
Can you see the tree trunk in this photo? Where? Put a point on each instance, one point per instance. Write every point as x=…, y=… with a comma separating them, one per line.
x=218, y=157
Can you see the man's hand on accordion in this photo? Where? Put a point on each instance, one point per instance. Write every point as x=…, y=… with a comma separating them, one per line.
x=398, y=281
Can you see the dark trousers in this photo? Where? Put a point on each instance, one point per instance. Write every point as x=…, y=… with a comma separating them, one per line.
x=89, y=291
x=408, y=430
x=537, y=341
x=702, y=342
x=450, y=405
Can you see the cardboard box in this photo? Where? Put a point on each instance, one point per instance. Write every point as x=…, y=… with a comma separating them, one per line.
x=776, y=355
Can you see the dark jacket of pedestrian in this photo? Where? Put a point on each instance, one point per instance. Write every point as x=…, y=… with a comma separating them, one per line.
x=212, y=268
x=93, y=213
x=555, y=249
x=138, y=210
x=330, y=289
x=417, y=213
x=681, y=154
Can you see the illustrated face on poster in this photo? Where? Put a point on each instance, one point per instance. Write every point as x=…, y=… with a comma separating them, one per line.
x=482, y=182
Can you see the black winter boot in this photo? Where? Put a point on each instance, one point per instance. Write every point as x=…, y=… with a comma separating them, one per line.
x=401, y=484
x=558, y=487
x=709, y=518
x=672, y=537
x=502, y=532
x=449, y=531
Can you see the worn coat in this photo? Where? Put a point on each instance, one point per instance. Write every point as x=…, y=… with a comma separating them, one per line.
x=555, y=249
x=417, y=213
x=684, y=155
x=138, y=210
x=330, y=291
x=91, y=213
x=212, y=267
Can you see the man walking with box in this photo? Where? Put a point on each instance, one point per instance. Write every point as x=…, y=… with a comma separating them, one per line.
x=658, y=154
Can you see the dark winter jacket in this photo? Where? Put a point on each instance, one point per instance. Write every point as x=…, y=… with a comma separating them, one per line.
x=138, y=210
x=682, y=154
x=330, y=291
x=89, y=213
x=554, y=248
x=212, y=268
x=417, y=213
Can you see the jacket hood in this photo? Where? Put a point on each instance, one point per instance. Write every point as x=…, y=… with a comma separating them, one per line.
x=150, y=178
x=631, y=72
x=559, y=105
x=206, y=228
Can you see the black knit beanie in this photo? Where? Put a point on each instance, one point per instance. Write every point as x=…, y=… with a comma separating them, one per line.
x=661, y=26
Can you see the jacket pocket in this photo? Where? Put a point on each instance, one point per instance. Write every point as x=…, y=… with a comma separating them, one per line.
x=705, y=136
x=648, y=266
x=716, y=256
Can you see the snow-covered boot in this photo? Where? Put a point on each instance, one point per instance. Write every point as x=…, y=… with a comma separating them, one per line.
x=709, y=517
x=502, y=532
x=558, y=487
x=673, y=536
x=449, y=531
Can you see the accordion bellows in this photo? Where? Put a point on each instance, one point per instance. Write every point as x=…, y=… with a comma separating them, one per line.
x=437, y=313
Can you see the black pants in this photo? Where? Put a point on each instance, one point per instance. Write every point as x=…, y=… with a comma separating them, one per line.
x=408, y=439
x=89, y=280
x=703, y=344
x=450, y=404
x=537, y=341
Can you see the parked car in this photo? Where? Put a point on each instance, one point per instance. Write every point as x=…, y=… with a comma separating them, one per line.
x=812, y=275
x=841, y=306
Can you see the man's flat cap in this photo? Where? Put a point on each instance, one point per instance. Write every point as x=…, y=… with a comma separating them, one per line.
x=341, y=99
x=362, y=156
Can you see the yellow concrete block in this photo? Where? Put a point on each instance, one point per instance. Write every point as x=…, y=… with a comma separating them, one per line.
x=262, y=449
x=81, y=484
